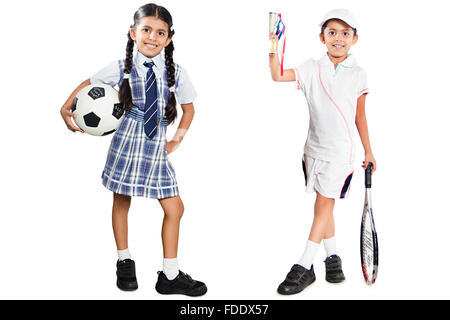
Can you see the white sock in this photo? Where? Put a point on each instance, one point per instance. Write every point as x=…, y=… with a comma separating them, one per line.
x=330, y=246
x=170, y=268
x=308, y=255
x=124, y=254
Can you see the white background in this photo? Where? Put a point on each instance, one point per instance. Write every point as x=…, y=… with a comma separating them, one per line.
x=247, y=216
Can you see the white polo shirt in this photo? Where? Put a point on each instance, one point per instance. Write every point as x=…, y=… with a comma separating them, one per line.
x=184, y=90
x=332, y=96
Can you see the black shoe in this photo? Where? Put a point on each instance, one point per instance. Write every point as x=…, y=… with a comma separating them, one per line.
x=126, y=275
x=182, y=284
x=333, y=265
x=296, y=280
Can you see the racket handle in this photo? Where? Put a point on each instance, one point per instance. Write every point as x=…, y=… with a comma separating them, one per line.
x=369, y=175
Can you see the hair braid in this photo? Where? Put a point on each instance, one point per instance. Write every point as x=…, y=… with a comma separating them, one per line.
x=125, y=96
x=171, y=107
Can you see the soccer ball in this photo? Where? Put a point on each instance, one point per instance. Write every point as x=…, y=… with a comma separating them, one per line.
x=98, y=110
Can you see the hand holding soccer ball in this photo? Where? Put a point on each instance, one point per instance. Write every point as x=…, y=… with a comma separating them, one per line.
x=95, y=109
x=66, y=112
x=67, y=116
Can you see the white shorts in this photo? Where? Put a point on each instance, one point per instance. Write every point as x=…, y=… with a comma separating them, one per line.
x=331, y=180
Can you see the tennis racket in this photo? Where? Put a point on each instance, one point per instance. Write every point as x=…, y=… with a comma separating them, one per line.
x=369, y=242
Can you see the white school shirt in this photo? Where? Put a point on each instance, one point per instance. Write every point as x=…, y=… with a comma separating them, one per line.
x=332, y=96
x=184, y=90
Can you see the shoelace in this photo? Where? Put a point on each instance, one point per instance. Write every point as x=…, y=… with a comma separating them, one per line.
x=125, y=269
x=186, y=276
x=186, y=280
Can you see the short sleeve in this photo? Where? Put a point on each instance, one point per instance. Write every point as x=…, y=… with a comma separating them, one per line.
x=363, y=87
x=303, y=75
x=108, y=75
x=184, y=90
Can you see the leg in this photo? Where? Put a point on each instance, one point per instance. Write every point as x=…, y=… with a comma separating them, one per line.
x=323, y=229
x=323, y=218
x=329, y=231
x=121, y=205
x=171, y=280
x=302, y=273
x=173, y=211
x=329, y=241
x=126, y=270
x=323, y=213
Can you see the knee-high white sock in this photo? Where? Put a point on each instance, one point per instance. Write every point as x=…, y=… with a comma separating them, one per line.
x=308, y=255
x=330, y=246
x=124, y=254
x=170, y=268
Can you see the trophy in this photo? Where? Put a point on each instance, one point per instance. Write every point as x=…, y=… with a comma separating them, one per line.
x=273, y=20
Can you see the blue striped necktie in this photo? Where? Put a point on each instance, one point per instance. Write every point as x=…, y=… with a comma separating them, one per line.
x=151, y=104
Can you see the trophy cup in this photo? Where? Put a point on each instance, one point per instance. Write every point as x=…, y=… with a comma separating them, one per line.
x=273, y=19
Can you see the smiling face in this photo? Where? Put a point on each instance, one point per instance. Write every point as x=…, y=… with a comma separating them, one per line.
x=338, y=37
x=151, y=36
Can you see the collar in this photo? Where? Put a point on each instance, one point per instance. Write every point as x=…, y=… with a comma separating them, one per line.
x=158, y=68
x=349, y=62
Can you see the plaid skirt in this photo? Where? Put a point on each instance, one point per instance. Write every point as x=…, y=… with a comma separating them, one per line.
x=136, y=165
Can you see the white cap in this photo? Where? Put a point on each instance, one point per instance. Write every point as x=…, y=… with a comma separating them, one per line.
x=341, y=14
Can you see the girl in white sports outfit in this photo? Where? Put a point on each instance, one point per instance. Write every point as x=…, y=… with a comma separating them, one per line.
x=335, y=88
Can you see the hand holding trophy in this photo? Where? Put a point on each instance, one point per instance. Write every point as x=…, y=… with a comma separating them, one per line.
x=276, y=31
x=273, y=40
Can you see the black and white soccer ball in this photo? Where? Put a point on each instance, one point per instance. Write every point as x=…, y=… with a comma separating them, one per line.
x=98, y=110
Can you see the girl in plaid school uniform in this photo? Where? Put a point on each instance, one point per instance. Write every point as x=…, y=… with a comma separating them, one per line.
x=137, y=163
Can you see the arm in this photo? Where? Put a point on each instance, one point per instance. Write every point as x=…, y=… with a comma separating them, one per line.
x=185, y=123
x=275, y=67
x=361, y=124
x=66, y=112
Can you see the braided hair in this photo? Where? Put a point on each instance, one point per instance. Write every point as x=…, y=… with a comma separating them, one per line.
x=125, y=97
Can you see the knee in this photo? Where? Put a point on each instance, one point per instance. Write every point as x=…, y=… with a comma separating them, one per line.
x=122, y=201
x=324, y=201
x=180, y=211
x=324, y=204
x=176, y=214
